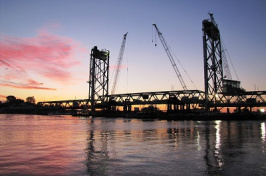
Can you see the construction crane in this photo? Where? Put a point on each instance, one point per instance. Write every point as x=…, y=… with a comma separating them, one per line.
x=170, y=57
x=118, y=65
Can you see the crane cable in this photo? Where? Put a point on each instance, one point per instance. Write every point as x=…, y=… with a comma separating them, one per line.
x=127, y=69
x=155, y=42
x=175, y=58
x=230, y=60
x=183, y=68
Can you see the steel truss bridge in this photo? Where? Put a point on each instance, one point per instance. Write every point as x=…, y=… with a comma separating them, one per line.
x=188, y=100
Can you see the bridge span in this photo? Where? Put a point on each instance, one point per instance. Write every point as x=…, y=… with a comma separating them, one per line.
x=174, y=101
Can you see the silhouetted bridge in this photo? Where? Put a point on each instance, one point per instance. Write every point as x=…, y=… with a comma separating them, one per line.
x=188, y=100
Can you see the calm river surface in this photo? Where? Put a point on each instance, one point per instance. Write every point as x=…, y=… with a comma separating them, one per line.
x=66, y=145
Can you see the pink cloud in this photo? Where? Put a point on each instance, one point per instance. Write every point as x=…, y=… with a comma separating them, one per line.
x=2, y=97
x=47, y=55
x=29, y=84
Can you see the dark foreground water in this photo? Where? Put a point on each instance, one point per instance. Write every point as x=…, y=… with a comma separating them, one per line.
x=66, y=145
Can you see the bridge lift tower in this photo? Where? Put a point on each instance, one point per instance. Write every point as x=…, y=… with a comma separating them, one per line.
x=212, y=53
x=217, y=84
x=99, y=77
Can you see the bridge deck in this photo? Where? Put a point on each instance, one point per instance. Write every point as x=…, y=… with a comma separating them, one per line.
x=181, y=97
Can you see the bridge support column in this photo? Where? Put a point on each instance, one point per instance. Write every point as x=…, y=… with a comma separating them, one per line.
x=173, y=104
x=127, y=108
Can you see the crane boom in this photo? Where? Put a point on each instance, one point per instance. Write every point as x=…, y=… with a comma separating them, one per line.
x=119, y=61
x=170, y=57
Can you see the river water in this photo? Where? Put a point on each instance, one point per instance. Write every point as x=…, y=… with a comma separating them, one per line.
x=66, y=145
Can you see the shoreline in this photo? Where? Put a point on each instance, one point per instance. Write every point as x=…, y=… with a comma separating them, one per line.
x=159, y=115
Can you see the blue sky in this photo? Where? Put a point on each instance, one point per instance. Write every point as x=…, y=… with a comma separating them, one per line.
x=82, y=24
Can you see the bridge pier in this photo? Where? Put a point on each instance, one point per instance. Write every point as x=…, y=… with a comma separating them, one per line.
x=127, y=108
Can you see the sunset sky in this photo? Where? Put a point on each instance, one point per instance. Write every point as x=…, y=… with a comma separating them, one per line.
x=45, y=45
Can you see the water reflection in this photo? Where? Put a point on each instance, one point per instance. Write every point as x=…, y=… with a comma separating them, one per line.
x=43, y=145
x=96, y=153
x=263, y=132
x=132, y=147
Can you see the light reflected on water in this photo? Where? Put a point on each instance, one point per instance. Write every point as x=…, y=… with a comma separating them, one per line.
x=65, y=145
x=263, y=132
x=217, y=149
